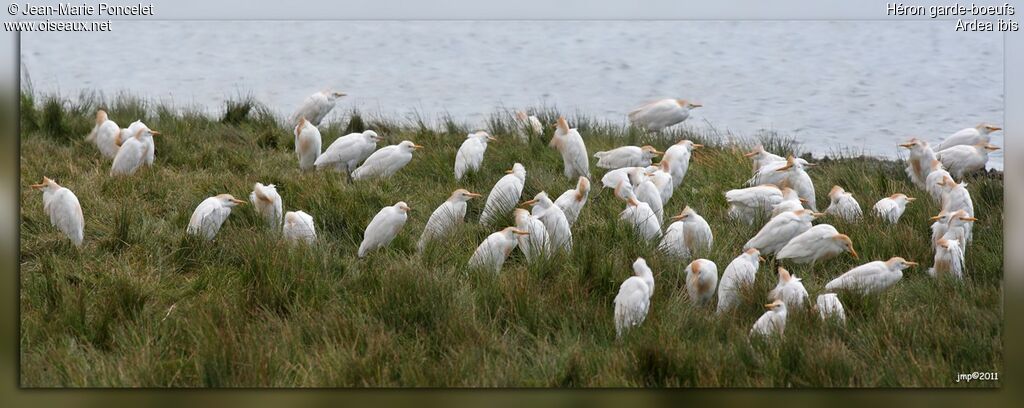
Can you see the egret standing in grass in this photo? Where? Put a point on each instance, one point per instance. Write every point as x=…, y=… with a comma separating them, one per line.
x=491, y=253
x=384, y=227
x=662, y=179
x=772, y=322
x=307, y=144
x=446, y=217
x=892, y=207
x=780, y=230
x=820, y=242
x=572, y=201
x=626, y=156
x=649, y=193
x=760, y=157
x=504, y=195
x=537, y=244
x=919, y=163
x=634, y=298
x=956, y=197
x=872, y=277
x=696, y=231
x=789, y=289
x=828, y=306
x=347, y=152
x=105, y=134
x=64, y=210
x=746, y=204
x=299, y=227
x=843, y=205
x=574, y=152
x=952, y=225
x=210, y=215
x=964, y=159
x=790, y=173
x=471, y=154
x=678, y=158
x=386, y=161
x=740, y=273
x=949, y=259
x=790, y=202
x=701, y=281
x=132, y=154
x=529, y=125
x=554, y=221
x=658, y=115
x=638, y=214
x=969, y=136
x=935, y=180
x=316, y=107
x=267, y=204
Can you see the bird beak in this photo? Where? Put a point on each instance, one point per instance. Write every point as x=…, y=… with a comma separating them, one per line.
x=786, y=167
x=695, y=105
x=768, y=305
x=810, y=165
x=803, y=200
x=853, y=252
x=417, y=147
x=508, y=171
x=697, y=145
x=994, y=128
x=491, y=138
x=38, y=186
x=529, y=202
x=761, y=258
x=520, y=232
x=474, y=195
x=911, y=263
x=678, y=217
x=237, y=201
x=818, y=215
x=909, y=199
x=991, y=147
x=907, y=145
x=340, y=94
x=971, y=219
x=935, y=218
x=657, y=153
x=154, y=133
x=751, y=154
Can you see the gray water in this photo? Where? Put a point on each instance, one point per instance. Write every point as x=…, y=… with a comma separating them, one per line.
x=835, y=86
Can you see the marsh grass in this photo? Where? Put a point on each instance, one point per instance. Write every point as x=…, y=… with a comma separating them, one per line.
x=142, y=304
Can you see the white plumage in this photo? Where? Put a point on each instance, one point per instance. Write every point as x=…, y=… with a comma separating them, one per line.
x=634, y=298
x=673, y=242
x=536, y=244
x=892, y=207
x=64, y=210
x=872, y=277
x=828, y=306
x=964, y=159
x=953, y=226
x=919, y=162
x=267, y=204
x=843, y=205
x=208, y=217
x=820, y=242
x=629, y=175
x=528, y=125
x=491, y=253
x=746, y=204
x=626, y=156
x=299, y=227
x=386, y=161
x=760, y=157
x=133, y=152
x=572, y=201
x=935, y=180
x=790, y=173
x=969, y=136
x=554, y=221
x=316, y=107
x=649, y=193
x=949, y=259
x=106, y=135
x=446, y=217
x=789, y=290
x=471, y=154
x=790, y=202
x=574, y=152
x=384, y=227
x=740, y=273
x=696, y=231
x=662, y=179
x=307, y=144
x=638, y=214
x=347, y=152
x=701, y=281
x=780, y=230
x=658, y=115
x=504, y=195
x=678, y=158
x=772, y=322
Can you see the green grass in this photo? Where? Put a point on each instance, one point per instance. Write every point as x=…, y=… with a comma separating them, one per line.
x=249, y=311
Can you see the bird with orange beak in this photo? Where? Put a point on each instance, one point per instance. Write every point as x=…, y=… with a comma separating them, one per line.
x=843, y=205
x=677, y=160
x=384, y=227
x=782, y=228
x=772, y=322
x=307, y=144
x=449, y=215
x=821, y=242
x=386, y=161
x=558, y=228
x=892, y=207
x=316, y=107
x=471, y=154
x=210, y=215
x=790, y=290
x=572, y=200
x=491, y=253
x=919, y=162
x=961, y=160
x=626, y=156
x=740, y=273
x=658, y=115
x=504, y=195
x=969, y=136
x=133, y=152
x=638, y=214
x=949, y=259
x=64, y=210
x=746, y=204
x=956, y=225
x=872, y=277
x=790, y=173
x=570, y=144
x=105, y=134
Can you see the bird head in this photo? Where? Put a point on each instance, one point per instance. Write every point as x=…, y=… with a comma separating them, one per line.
x=582, y=188
x=988, y=128
x=561, y=124
x=640, y=266
x=913, y=142
x=651, y=150
x=847, y=244
x=402, y=206
x=521, y=115
x=338, y=94
x=835, y=192
x=991, y=147
x=372, y=136
x=687, y=104
x=683, y=215
x=410, y=146
x=759, y=149
x=463, y=195
x=520, y=215
x=229, y=200
x=101, y=116
x=46, y=185
x=790, y=161
x=754, y=254
x=899, y=264
x=784, y=275
x=777, y=305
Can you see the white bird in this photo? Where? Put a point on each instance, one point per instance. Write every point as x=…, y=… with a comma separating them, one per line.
x=660, y=176
x=919, y=162
x=638, y=214
x=678, y=158
x=843, y=205
x=935, y=180
x=491, y=253
x=949, y=259
x=307, y=144
x=872, y=277
x=571, y=201
x=789, y=289
x=132, y=154
x=673, y=242
x=891, y=208
x=828, y=306
x=536, y=244
x=299, y=227
x=658, y=115
x=746, y=204
x=208, y=217
x=953, y=225
x=790, y=173
x=504, y=195
x=634, y=298
x=64, y=210
x=969, y=136
x=760, y=157
x=554, y=221
x=780, y=230
x=267, y=204
x=940, y=224
x=316, y=107
x=384, y=227
x=956, y=197
x=446, y=217
x=134, y=128
x=701, y=281
x=819, y=243
x=964, y=159
x=471, y=154
x=740, y=273
x=696, y=231
x=790, y=202
x=574, y=152
x=772, y=322
x=626, y=156
x=529, y=125
x=630, y=175
x=649, y=193
x=386, y=161
x=347, y=152
x=106, y=135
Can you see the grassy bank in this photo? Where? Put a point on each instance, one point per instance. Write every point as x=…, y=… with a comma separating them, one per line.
x=142, y=305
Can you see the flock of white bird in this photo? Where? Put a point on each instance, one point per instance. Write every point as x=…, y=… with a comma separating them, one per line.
x=780, y=191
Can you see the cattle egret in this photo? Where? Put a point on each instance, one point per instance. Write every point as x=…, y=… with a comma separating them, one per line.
x=638, y=214
x=571, y=201
x=134, y=128
x=701, y=281
x=780, y=230
x=919, y=163
x=574, y=152
x=626, y=156
x=384, y=227
x=673, y=243
x=132, y=154
x=790, y=173
x=630, y=175
x=949, y=259
x=208, y=217
x=267, y=204
x=760, y=157
x=536, y=244
x=64, y=210
x=106, y=135
x=940, y=224
x=316, y=107
x=634, y=298
x=662, y=179
x=299, y=227
x=471, y=154
x=347, y=152
x=953, y=225
x=969, y=136
x=789, y=289
x=554, y=221
x=738, y=274
x=658, y=115
x=956, y=197
x=790, y=202
x=446, y=217
x=772, y=322
x=964, y=159
x=819, y=243
x=529, y=125
x=386, y=161
x=891, y=208
x=492, y=252
x=935, y=180
x=678, y=158
x=696, y=231
x=828, y=306
x=649, y=193
x=307, y=144
x=872, y=277
x=504, y=195
x=843, y=205
x=746, y=204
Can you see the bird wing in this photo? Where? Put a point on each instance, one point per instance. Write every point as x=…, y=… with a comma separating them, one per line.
x=129, y=157
x=777, y=230
x=195, y=223
x=861, y=276
x=660, y=111
x=502, y=198
x=754, y=197
x=383, y=161
x=576, y=153
x=66, y=214
x=382, y=228
x=341, y=150
x=469, y=156
x=968, y=136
